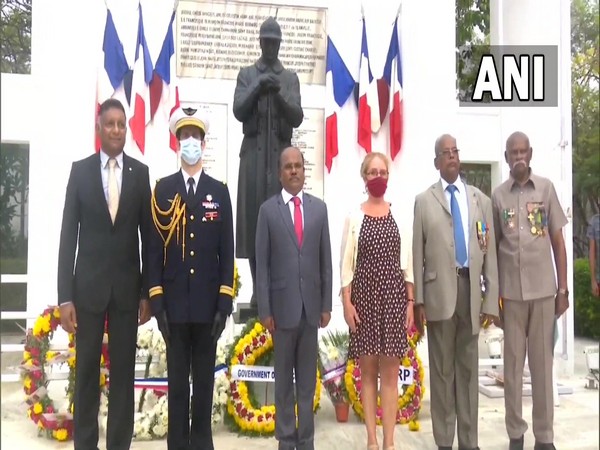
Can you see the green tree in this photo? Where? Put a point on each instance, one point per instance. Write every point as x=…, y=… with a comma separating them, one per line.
x=585, y=53
x=14, y=189
x=15, y=36
x=472, y=41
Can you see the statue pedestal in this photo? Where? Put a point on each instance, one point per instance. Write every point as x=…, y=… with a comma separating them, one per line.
x=245, y=312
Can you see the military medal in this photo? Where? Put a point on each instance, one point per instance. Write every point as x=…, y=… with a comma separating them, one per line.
x=509, y=217
x=537, y=218
x=482, y=235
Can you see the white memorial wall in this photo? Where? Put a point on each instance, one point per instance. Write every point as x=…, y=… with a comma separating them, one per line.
x=53, y=109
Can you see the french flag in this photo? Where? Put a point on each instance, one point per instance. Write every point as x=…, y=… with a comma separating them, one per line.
x=163, y=87
x=392, y=74
x=140, y=92
x=111, y=69
x=367, y=96
x=172, y=137
x=163, y=70
x=339, y=85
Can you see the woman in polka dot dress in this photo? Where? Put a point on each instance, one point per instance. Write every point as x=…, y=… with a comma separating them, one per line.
x=377, y=294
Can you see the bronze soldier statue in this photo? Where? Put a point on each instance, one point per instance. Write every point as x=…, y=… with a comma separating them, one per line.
x=267, y=102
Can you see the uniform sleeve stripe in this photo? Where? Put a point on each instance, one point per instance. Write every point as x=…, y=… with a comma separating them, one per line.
x=156, y=290
x=227, y=290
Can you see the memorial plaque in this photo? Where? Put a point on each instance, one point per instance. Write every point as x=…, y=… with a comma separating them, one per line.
x=215, y=39
x=309, y=138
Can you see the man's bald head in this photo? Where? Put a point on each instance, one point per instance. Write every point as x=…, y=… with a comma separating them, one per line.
x=518, y=156
x=517, y=136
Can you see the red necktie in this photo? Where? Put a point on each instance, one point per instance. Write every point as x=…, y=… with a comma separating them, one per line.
x=298, y=220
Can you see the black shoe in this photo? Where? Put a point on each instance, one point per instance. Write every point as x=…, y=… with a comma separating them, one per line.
x=540, y=446
x=516, y=444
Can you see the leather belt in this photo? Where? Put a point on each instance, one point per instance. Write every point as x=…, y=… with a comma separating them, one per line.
x=462, y=272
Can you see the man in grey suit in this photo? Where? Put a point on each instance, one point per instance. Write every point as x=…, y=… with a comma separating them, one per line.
x=456, y=289
x=293, y=273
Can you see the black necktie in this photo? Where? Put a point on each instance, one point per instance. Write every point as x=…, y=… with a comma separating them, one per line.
x=190, y=183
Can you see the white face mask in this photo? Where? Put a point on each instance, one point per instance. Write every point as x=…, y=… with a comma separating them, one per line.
x=191, y=150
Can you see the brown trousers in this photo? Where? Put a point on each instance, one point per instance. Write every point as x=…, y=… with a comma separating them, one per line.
x=529, y=329
x=454, y=373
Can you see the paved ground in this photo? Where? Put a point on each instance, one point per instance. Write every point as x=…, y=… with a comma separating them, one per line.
x=576, y=422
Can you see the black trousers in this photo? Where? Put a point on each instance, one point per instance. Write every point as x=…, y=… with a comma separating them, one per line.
x=191, y=347
x=122, y=332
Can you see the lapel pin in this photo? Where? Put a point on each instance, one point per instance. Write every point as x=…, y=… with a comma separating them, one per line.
x=130, y=169
x=209, y=197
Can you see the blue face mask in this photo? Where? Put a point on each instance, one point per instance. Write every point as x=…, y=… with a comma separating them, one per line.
x=191, y=150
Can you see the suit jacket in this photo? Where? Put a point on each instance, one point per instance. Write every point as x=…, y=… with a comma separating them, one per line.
x=108, y=256
x=434, y=259
x=193, y=272
x=289, y=277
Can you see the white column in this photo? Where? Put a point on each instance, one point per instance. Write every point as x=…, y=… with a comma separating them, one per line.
x=521, y=22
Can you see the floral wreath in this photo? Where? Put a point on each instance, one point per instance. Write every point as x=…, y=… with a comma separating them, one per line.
x=409, y=398
x=36, y=356
x=253, y=345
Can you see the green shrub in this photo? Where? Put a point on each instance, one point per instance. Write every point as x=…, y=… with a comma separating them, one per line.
x=587, y=307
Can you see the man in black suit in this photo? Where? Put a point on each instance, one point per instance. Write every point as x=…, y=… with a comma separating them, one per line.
x=191, y=279
x=107, y=202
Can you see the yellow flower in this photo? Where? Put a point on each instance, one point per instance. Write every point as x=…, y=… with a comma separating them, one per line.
x=102, y=379
x=46, y=323
x=38, y=408
x=37, y=328
x=27, y=382
x=61, y=434
x=26, y=356
x=56, y=313
x=50, y=354
x=71, y=361
x=101, y=359
x=414, y=425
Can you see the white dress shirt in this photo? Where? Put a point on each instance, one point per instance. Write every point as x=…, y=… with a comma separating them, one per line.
x=463, y=205
x=287, y=198
x=105, y=169
x=187, y=176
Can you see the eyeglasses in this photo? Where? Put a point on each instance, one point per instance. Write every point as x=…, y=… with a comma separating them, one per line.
x=378, y=173
x=446, y=153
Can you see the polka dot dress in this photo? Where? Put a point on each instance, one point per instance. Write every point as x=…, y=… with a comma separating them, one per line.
x=379, y=291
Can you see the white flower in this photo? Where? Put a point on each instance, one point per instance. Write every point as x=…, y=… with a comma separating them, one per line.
x=137, y=428
x=216, y=418
x=164, y=419
x=223, y=398
x=145, y=338
x=159, y=430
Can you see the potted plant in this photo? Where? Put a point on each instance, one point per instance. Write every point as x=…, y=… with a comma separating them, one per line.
x=333, y=355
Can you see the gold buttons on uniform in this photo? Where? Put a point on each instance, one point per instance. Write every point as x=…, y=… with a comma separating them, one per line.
x=192, y=253
x=192, y=271
x=191, y=235
x=192, y=217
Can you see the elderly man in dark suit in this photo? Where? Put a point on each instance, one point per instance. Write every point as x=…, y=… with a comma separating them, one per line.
x=107, y=203
x=456, y=288
x=191, y=279
x=293, y=268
